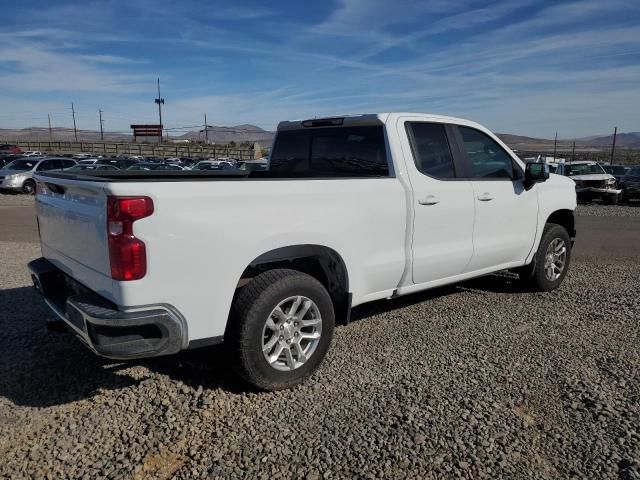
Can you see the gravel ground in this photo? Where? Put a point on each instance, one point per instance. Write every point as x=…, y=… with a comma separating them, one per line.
x=10, y=200
x=478, y=380
x=627, y=209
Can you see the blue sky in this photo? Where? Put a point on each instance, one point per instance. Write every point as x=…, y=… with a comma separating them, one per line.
x=518, y=66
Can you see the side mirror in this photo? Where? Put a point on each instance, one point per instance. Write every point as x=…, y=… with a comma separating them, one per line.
x=535, y=173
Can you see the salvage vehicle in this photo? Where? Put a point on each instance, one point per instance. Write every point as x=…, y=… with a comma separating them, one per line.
x=17, y=176
x=351, y=210
x=591, y=182
x=630, y=184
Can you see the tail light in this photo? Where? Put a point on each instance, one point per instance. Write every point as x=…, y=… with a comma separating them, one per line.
x=127, y=254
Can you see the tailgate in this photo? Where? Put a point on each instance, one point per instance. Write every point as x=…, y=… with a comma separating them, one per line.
x=73, y=229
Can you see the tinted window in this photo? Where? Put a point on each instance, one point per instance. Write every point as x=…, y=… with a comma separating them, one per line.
x=47, y=165
x=487, y=158
x=431, y=151
x=67, y=163
x=330, y=152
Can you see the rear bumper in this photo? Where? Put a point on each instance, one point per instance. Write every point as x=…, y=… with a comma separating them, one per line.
x=109, y=330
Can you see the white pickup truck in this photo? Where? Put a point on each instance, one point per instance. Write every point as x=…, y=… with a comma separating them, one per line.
x=350, y=210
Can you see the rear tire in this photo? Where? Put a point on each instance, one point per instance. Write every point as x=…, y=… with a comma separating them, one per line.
x=551, y=261
x=29, y=187
x=281, y=328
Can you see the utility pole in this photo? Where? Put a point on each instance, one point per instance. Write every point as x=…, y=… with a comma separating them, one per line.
x=573, y=152
x=101, y=122
x=50, y=135
x=75, y=131
x=555, y=146
x=613, y=147
x=160, y=102
x=206, y=130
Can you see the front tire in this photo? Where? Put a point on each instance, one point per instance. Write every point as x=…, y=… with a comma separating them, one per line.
x=551, y=261
x=29, y=187
x=282, y=325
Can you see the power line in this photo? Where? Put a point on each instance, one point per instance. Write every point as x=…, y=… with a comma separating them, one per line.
x=160, y=102
x=75, y=131
x=101, y=122
x=613, y=147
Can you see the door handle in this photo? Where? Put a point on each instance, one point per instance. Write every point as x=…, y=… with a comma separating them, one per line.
x=485, y=197
x=429, y=200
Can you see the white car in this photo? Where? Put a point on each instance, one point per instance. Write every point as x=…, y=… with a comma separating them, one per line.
x=592, y=181
x=351, y=210
x=32, y=153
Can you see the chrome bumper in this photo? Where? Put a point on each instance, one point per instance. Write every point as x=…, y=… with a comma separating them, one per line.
x=103, y=327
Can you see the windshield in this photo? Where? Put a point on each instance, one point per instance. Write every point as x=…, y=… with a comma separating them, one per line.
x=583, y=169
x=23, y=165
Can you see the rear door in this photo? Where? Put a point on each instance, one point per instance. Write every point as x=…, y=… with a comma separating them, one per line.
x=442, y=201
x=506, y=214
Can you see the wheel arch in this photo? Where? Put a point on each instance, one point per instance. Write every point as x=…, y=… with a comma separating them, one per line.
x=319, y=261
x=565, y=218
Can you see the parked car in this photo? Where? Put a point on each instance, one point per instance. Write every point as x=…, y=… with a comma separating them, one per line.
x=83, y=167
x=121, y=163
x=351, y=210
x=8, y=148
x=630, y=184
x=213, y=165
x=18, y=175
x=33, y=153
x=254, y=165
x=154, y=166
x=591, y=181
x=89, y=161
x=617, y=171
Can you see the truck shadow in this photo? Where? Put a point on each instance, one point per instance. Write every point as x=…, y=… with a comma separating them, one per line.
x=41, y=368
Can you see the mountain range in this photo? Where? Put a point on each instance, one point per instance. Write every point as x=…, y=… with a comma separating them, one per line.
x=253, y=134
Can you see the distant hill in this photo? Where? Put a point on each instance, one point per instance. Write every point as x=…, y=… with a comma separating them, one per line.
x=221, y=135
x=254, y=134
x=237, y=134
x=623, y=140
x=627, y=140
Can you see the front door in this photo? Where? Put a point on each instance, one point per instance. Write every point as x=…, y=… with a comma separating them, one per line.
x=506, y=214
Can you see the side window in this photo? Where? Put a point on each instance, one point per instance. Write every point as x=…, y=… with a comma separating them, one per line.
x=431, y=152
x=487, y=158
x=45, y=165
x=68, y=163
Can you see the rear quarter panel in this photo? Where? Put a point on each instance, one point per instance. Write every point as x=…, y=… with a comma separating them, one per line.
x=203, y=235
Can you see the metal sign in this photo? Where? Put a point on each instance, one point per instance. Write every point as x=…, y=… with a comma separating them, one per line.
x=146, y=131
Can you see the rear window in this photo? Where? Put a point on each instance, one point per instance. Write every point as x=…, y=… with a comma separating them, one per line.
x=330, y=152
